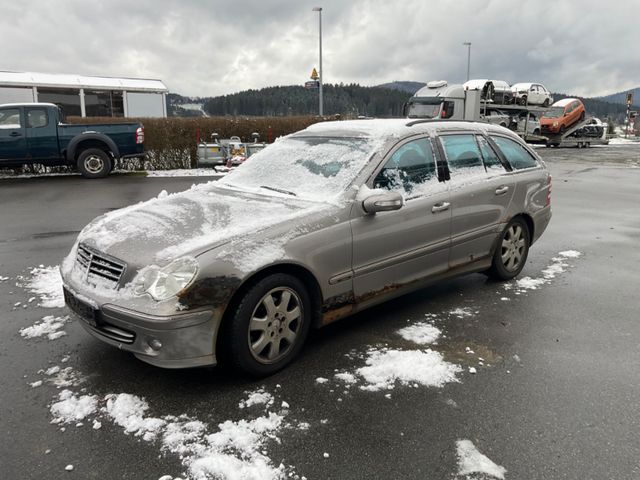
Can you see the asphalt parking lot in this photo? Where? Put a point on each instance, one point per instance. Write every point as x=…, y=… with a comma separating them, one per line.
x=555, y=393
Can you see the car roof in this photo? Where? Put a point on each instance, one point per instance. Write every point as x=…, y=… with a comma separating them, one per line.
x=27, y=104
x=381, y=128
x=526, y=84
x=481, y=82
x=564, y=102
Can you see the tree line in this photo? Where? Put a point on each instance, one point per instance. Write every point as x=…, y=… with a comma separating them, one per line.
x=351, y=100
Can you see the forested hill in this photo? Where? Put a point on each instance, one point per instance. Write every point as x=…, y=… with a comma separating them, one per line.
x=348, y=100
x=351, y=100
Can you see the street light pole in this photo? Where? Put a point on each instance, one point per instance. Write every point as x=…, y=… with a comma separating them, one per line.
x=468, y=44
x=319, y=10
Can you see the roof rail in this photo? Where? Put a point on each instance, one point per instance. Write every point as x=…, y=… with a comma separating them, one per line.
x=438, y=120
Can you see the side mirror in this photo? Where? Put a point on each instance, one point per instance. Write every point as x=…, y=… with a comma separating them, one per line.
x=383, y=202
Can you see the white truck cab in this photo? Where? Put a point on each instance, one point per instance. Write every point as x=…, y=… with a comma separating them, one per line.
x=439, y=100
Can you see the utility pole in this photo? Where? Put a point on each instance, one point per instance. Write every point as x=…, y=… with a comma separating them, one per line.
x=628, y=119
x=468, y=44
x=320, y=107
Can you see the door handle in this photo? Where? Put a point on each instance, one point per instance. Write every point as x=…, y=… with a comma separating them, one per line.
x=15, y=134
x=502, y=190
x=440, y=207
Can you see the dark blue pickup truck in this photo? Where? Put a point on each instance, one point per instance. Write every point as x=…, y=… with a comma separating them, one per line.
x=35, y=133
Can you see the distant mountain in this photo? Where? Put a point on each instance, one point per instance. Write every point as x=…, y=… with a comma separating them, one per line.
x=404, y=86
x=621, y=97
x=351, y=100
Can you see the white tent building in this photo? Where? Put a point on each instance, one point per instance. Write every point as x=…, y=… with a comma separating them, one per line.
x=85, y=96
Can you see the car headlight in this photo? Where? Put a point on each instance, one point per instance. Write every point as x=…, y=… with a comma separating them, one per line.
x=555, y=124
x=164, y=283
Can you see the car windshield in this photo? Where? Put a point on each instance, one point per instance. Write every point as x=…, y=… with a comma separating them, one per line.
x=424, y=108
x=314, y=168
x=555, y=112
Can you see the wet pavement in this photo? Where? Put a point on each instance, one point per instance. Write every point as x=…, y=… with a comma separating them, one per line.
x=556, y=394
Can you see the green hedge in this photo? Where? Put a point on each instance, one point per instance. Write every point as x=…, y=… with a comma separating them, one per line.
x=172, y=142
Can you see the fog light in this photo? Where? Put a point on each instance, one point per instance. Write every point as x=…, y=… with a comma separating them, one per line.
x=155, y=344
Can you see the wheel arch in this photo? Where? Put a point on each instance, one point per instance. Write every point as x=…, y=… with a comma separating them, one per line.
x=528, y=220
x=91, y=140
x=293, y=269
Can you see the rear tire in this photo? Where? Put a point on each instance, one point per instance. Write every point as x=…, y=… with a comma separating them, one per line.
x=269, y=326
x=94, y=163
x=546, y=102
x=511, y=252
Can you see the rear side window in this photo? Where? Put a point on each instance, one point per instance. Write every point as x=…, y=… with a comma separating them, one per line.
x=463, y=155
x=37, y=118
x=491, y=161
x=516, y=154
x=410, y=167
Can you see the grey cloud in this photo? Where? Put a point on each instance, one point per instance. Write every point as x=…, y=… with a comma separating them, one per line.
x=221, y=46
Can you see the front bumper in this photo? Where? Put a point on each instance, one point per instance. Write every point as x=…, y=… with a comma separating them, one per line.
x=179, y=341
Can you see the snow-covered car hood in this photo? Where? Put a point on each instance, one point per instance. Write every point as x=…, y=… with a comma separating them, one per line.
x=188, y=223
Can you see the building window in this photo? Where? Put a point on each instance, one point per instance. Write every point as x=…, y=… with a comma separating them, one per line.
x=67, y=99
x=103, y=103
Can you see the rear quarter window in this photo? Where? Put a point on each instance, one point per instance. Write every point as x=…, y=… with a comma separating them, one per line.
x=517, y=156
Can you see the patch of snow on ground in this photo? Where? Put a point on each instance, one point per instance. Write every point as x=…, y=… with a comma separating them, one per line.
x=472, y=463
x=346, y=377
x=63, y=377
x=71, y=408
x=259, y=397
x=462, y=312
x=50, y=326
x=570, y=254
x=555, y=268
x=46, y=284
x=321, y=380
x=236, y=450
x=386, y=367
x=128, y=410
x=422, y=333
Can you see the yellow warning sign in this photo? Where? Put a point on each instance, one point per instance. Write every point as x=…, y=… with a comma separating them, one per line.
x=314, y=74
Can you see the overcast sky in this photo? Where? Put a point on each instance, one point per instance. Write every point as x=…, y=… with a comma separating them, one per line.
x=216, y=47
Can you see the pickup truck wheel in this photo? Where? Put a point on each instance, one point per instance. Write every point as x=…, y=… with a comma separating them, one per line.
x=94, y=163
x=269, y=326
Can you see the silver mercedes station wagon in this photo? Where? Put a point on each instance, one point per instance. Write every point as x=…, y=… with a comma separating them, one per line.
x=324, y=223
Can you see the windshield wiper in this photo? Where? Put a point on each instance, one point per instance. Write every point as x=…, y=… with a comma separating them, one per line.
x=279, y=190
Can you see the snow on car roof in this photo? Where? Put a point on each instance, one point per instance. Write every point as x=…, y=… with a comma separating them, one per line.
x=379, y=128
x=480, y=82
x=522, y=85
x=564, y=102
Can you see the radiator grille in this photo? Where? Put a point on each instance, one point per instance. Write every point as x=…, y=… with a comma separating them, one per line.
x=99, y=267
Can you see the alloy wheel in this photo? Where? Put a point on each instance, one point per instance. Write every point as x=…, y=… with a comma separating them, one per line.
x=275, y=325
x=513, y=247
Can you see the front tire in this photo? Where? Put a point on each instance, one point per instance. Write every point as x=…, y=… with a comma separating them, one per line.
x=511, y=252
x=269, y=326
x=94, y=163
